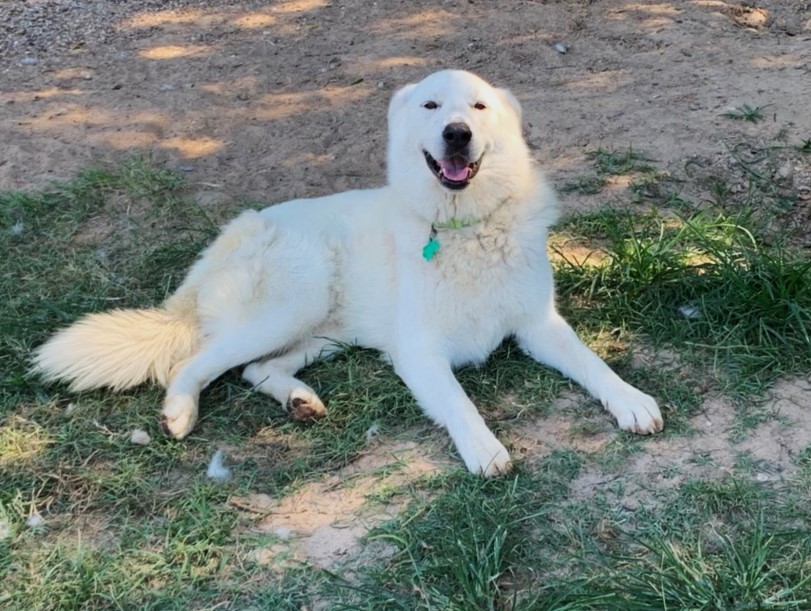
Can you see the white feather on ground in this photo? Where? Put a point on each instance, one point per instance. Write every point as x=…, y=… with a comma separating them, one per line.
x=34, y=521
x=217, y=469
x=372, y=432
x=140, y=437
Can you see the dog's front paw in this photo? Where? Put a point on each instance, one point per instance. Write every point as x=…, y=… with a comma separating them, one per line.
x=484, y=454
x=634, y=410
x=179, y=415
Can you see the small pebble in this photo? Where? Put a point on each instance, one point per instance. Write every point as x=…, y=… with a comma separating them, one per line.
x=28, y=61
x=561, y=48
x=139, y=437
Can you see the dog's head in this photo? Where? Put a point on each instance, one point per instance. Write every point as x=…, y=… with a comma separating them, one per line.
x=454, y=132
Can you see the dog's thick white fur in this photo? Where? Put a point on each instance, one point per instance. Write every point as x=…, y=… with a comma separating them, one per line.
x=279, y=287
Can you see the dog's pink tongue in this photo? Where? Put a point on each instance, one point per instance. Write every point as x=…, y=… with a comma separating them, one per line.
x=454, y=168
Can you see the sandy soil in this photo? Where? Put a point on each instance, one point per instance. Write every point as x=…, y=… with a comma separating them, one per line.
x=324, y=521
x=712, y=452
x=267, y=101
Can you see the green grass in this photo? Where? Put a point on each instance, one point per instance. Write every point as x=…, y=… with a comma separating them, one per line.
x=609, y=162
x=469, y=546
x=704, y=284
x=68, y=250
x=589, y=185
x=757, y=569
x=129, y=526
x=745, y=112
x=756, y=178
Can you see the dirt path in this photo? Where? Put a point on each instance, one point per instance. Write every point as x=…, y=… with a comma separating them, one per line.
x=268, y=101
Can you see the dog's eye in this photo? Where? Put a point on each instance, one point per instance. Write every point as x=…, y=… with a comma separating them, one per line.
x=430, y=105
x=479, y=106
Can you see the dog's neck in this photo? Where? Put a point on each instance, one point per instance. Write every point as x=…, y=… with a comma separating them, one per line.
x=475, y=205
x=433, y=205
x=457, y=209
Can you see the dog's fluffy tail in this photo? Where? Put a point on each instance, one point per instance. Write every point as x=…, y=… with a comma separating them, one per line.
x=119, y=349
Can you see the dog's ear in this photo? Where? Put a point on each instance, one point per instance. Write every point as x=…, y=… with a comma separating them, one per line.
x=512, y=103
x=400, y=98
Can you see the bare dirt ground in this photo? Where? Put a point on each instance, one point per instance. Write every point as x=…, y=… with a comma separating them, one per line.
x=266, y=101
x=323, y=521
x=270, y=100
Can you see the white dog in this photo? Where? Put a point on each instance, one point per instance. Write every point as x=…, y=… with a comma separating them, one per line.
x=435, y=269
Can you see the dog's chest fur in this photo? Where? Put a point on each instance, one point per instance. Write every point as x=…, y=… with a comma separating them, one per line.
x=485, y=281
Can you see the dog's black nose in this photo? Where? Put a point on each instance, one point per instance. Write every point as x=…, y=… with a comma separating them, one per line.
x=456, y=135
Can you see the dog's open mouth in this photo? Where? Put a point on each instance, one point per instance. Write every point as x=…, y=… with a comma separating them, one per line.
x=455, y=172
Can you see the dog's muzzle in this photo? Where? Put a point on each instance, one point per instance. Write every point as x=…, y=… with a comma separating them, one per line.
x=455, y=170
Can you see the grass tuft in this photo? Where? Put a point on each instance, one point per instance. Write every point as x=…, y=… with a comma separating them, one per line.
x=703, y=283
x=755, y=569
x=70, y=250
x=468, y=547
x=610, y=162
x=745, y=112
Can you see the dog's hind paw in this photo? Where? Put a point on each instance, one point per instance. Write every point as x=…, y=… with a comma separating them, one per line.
x=179, y=415
x=634, y=410
x=303, y=404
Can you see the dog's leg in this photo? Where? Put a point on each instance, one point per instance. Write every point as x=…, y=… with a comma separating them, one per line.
x=433, y=384
x=242, y=344
x=551, y=341
x=274, y=377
